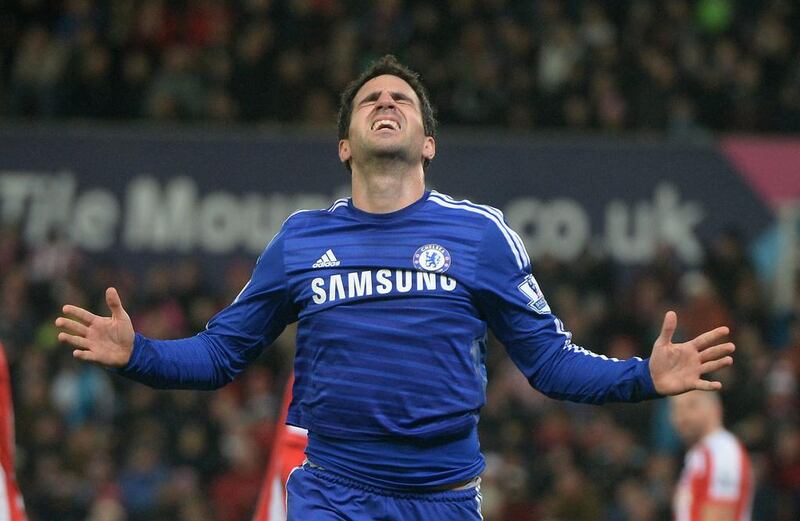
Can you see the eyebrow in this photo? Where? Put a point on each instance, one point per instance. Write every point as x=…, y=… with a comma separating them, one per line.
x=373, y=96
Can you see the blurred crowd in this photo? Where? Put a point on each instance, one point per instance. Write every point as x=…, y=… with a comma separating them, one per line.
x=676, y=66
x=92, y=445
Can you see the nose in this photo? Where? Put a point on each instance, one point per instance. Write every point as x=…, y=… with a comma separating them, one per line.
x=385, y=101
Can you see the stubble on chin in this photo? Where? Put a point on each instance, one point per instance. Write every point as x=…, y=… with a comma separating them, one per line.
x=372, y=149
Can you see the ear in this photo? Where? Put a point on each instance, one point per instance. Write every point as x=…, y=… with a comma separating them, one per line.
x=429, y=148
x=344, y=150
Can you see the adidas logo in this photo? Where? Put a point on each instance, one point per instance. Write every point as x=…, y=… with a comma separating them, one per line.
x=328, y=260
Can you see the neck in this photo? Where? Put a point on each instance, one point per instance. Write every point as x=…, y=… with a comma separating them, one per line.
x=386, y=187
x=710, y=429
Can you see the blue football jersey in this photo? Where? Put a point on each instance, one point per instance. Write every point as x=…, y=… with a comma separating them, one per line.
x=393, y=312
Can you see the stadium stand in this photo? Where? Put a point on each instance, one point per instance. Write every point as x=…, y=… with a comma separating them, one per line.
x=674, y=67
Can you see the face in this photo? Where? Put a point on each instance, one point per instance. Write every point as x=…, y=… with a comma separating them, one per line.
x=694, y=415
x=386, y=122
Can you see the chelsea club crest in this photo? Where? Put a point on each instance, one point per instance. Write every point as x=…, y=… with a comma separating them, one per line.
x=432, y=257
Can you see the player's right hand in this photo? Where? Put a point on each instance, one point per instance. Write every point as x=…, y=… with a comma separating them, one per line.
x=106, y=341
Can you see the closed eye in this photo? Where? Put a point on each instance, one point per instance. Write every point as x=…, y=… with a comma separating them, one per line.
x=398, y=97
x=372, y=98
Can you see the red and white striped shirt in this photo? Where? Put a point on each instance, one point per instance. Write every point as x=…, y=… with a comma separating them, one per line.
x=11, y=505
x=288, y=452
x=716, y=472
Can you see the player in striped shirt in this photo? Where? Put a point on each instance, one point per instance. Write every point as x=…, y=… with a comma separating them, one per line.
x=717, y=482
x=394, y=290
x=12, y=507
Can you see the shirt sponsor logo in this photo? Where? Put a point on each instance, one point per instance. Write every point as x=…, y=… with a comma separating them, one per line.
x=381, y=282
x=432, y=257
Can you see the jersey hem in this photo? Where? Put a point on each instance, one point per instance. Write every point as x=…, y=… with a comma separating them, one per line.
x=324, y=429
x=410, y=493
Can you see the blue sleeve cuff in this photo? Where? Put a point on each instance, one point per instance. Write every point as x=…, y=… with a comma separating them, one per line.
x=647, y=387
x=139, y=342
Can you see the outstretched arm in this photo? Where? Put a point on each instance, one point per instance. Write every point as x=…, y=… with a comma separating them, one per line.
x=543, y=350
x=541, y=347
x=233, y=337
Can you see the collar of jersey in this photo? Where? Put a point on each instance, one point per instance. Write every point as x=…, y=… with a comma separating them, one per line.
x=382, y=217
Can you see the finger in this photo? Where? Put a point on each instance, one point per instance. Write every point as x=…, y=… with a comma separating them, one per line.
x=81, y=314
x=713, y=365
x=86, y=356
x=706, y=385
x=668, y=327
x=717, y=352
x=77, y=341
x=114, y=303
x=71, y=326
x=710, y=338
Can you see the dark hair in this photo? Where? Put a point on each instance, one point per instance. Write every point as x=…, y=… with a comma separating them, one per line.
x=386, y=64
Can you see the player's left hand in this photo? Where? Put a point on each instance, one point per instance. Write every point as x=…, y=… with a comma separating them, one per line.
x=676, y=368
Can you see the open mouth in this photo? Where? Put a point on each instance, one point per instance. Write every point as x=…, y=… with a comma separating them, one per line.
x=383, y=124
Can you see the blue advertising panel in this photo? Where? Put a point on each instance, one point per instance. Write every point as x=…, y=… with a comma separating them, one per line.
x=153, y=194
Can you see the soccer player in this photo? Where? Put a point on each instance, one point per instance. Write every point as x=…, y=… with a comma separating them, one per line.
x=717, y=482
x=393, y=290
x=288, y=452
x=12, y=507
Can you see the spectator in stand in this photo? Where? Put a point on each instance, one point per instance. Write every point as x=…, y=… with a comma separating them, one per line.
x=677, y=67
